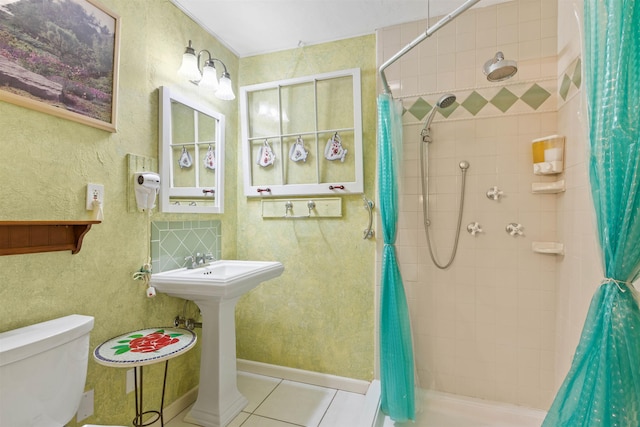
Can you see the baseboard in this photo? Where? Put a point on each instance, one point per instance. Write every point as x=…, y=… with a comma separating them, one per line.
x=373, y=417
x=179, y=405
x=307, y=377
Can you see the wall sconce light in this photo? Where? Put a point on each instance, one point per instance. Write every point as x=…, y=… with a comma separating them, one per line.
x=208, y=79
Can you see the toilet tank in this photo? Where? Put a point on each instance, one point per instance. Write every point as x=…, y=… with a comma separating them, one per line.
x=43, y=368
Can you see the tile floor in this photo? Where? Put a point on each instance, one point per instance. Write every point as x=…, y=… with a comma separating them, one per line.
x=274, y=402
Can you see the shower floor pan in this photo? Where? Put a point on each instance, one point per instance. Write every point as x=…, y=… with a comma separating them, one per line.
x=448, y=410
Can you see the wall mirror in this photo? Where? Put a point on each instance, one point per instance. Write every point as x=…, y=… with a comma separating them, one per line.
x=191, y=155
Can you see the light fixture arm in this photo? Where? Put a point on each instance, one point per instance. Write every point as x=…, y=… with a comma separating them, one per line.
x=206, y=75
x=211, y=59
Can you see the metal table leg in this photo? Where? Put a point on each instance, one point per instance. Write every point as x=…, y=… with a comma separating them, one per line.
x=140, y=412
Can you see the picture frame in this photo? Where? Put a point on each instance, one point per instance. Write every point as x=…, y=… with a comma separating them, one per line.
x=61, y=57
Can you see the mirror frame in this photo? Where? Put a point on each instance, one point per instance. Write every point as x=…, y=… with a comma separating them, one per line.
x=167, y=96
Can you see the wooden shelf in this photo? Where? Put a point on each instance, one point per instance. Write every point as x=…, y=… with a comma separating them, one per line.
x=29, y=237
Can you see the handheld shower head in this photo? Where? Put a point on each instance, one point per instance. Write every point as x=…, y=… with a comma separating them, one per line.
x=445, y=101
x=498, y=69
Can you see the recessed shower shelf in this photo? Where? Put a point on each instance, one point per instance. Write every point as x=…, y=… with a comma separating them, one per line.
x=29, y=237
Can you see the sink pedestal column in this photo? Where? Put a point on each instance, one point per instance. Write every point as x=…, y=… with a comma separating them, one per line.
x=219, y=400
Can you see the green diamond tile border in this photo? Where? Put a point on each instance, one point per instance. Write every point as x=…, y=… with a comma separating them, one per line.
x=532, y=94
x=474, y=103
x=535, y=96
x=420, y=109
x=446, y=112
x=565, y=86
x=571, y=79
x=504, y=99
x=577, y=74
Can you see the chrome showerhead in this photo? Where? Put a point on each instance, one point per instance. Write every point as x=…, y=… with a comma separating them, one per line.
x=445, y=101
x=497, y=68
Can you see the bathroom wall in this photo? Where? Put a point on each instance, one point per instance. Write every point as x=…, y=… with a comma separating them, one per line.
x=486, y=326
x=46, y=164
x=580, y=273
x=319, y=315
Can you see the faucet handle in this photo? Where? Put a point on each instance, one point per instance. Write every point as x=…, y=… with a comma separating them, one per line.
x=209, y=257
x=190, y=261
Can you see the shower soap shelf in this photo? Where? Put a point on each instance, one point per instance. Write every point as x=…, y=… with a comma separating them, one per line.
x=552, y=248
x=548, y=187
x=29, y=237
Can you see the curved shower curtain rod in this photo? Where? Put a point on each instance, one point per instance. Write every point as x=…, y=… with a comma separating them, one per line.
x=441, y=23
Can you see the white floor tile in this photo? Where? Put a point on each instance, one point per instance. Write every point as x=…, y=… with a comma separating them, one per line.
x=258, y=421
x=178, y=421
x=345, y=410
x=238, y=420
x=297, y=403
x=255, y=388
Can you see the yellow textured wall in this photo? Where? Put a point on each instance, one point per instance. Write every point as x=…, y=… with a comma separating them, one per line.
x=319, y=315
x=46, y=163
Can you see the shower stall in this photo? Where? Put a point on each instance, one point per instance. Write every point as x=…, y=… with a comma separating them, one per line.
x=500, y=322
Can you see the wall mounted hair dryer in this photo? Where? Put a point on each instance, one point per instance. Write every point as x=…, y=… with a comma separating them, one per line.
x=147, y=185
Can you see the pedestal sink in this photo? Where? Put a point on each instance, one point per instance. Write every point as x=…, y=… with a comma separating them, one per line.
x=216, y=288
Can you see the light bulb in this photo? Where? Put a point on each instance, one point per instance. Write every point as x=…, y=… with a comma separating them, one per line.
x=189, y=67
x=209, y=77
x=225, y=91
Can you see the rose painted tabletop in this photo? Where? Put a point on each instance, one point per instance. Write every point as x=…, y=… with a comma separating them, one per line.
x=144, y=347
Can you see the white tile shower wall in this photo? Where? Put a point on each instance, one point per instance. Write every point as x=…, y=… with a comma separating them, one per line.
x=579, y=275
x=486, y=326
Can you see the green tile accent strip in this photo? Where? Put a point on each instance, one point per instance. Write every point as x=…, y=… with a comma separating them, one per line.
x=504, y=99
x=577, y=74
x=535, y=96
x=474, y=103
x=446, y=112
x=172, y=241
x=420, y=109
x=565, y=86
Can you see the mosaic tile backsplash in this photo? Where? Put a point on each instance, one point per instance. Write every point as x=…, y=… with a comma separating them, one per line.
x=173, y=241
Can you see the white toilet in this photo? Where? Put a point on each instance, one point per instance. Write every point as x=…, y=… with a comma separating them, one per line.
x=43, y=368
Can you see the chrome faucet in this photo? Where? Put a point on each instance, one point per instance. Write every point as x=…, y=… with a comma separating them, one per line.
x=191, y=262
x=194, y=261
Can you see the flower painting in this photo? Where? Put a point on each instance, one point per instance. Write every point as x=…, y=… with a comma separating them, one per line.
x=138, y=343
x=60, y=57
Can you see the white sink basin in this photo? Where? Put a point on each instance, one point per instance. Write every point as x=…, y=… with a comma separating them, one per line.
x=219, y=279
x=216, y=288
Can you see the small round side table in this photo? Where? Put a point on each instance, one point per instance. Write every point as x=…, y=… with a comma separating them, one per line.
x=145, y=347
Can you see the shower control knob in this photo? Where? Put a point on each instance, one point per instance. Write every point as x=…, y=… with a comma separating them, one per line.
x=514, y=229
x=494, y=193
x=473, y=228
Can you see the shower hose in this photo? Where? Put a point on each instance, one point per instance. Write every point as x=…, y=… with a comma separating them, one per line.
x=424, y=171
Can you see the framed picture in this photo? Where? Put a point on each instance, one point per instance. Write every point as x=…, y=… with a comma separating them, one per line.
x=60, y=57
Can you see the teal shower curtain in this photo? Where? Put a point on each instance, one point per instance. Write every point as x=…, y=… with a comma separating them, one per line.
x=396, y=349
x=602, y=388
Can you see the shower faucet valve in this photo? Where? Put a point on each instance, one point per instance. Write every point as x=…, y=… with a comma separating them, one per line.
x=494, y=193
x=514, y=229
x=474, y=228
